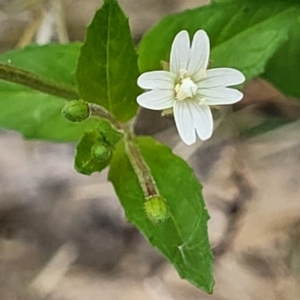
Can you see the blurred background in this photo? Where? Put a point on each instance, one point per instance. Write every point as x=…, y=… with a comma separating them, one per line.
x=63, y=236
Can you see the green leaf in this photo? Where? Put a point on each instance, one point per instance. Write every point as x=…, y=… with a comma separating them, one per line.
x=243, y=34
x=107, y=68
x=283, y=70
x=263, y=1
x=108, y=133
x=216, y=1
x=38, y=116
x=54, y=62
x=85, y=163
x=183, y=237
x=87, y=158
x=35, y=114
x=269, y=124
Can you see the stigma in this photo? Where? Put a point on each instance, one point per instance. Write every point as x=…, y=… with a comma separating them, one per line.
x=185, y=89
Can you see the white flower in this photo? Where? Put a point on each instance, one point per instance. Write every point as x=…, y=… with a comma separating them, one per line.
x=189, y=88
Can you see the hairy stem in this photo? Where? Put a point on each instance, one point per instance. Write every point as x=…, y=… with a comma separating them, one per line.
x=140, y=167
x=16, y=75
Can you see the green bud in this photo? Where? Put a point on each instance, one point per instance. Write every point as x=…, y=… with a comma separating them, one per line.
x=157, y=209
x=76, y=110
x=101, y=151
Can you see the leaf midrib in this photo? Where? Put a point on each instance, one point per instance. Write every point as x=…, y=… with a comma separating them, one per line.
x=108, y=58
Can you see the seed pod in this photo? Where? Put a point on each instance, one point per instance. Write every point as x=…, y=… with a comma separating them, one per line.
x=156, y=209
x=76, y=110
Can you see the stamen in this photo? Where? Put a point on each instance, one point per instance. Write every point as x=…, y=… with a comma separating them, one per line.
x=182, y=73
x=201, y=101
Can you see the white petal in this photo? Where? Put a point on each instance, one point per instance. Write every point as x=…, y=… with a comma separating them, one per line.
x=199, y=55
x=180, y=52
x=221, y=77
x=202, y=119
x=156, y=99
x=220, y=95
x=184, y=122
x=157, y=80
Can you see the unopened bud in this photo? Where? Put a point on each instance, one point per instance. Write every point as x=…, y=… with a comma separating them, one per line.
x=101, y=151
x=157, y=209
x=76, y=110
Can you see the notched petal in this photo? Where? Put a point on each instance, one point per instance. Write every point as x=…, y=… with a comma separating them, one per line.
x=220, y=95
x=157, y=80
x=180, y=51
x=199, y=55
x=184, y=122
x=156, y=99
x=202, y=120
x=221, y=77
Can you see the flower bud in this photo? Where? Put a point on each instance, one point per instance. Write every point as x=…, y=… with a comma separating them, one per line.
x=76, y=110
x=157, y=209
x=101, y=151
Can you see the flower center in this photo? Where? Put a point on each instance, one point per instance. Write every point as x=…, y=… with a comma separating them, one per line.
x=185, y=89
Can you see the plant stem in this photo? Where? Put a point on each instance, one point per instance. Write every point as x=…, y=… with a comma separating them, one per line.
x=140, y=167
x=16, y=75
x=99, y=111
